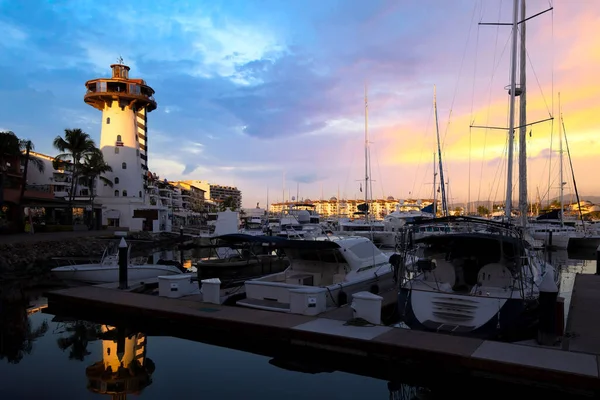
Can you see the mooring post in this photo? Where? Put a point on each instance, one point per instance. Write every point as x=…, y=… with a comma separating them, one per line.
x=123, y=264
x=550, y=239
x=598, y=261
x=181, y=233
x=547, y=329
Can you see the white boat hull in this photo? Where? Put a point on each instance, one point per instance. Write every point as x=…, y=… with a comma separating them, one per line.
x=96, y=273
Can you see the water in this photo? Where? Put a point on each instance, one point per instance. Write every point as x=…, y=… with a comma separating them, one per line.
x=43, y=356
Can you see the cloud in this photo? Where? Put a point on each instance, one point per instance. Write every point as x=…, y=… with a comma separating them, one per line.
x=246, y=90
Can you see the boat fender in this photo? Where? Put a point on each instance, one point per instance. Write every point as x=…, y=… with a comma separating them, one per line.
x=342, y=298
x=374, y=289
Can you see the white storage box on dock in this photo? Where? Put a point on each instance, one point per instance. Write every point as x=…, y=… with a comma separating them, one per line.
x=367, y=305
x=175, y=286
x=307, y=301
x=211, y=290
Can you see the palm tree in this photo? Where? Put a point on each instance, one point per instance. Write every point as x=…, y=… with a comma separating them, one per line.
x=91, y=169
x=74, y=146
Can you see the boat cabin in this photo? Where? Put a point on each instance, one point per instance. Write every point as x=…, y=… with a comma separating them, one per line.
x=463, y=262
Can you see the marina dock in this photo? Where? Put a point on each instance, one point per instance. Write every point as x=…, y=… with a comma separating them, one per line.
x=574, y=368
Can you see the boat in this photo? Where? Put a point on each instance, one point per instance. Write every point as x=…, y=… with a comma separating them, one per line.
x=240, y=256
x=341, y=265
x=482, y=281
x=107, y=270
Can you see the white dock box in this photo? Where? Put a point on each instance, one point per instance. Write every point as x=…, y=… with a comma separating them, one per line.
x=308, y=301
x=367, y=305
x=175, y=286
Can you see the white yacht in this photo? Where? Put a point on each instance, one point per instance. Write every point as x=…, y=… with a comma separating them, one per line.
x=107, y=270
x=343, y=266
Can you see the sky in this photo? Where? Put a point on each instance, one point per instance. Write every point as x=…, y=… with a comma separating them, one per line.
x=269, y=94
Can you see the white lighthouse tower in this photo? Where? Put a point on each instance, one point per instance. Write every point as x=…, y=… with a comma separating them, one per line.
x=124, y=103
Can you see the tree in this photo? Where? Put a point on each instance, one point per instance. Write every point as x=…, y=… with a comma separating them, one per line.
x=483, y=211
x=91, y=169
x=74, y=147
x=80, y=334
x=229, y=202
x=9, y=150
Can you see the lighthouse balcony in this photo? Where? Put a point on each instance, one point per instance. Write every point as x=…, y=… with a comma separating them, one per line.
x=102, y=91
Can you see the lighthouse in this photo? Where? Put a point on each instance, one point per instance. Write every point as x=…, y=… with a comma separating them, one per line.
x=124, y=103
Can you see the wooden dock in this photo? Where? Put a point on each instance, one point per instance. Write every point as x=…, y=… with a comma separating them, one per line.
x=575, y=371
x=582, y=333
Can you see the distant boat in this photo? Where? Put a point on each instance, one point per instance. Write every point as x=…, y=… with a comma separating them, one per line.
x=107, y=270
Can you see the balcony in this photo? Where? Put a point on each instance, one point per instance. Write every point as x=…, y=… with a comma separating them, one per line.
x=102, y=91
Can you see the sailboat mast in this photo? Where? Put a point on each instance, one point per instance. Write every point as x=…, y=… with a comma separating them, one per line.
x=562, y=180
x=437, y=129
x=434, y=188
x=523, y=123
x=366, y=156
x=511, y=124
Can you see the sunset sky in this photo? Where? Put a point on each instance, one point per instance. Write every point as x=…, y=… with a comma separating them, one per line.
x=250, y=90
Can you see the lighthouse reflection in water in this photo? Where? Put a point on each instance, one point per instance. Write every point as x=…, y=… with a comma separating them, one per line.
x=124, y=368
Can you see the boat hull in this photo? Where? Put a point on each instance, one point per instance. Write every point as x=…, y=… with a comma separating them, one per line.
x=97, y=274
x=506, y=319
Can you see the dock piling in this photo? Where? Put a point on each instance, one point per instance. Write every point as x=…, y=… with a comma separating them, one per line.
x=547, y=329
x=123, y=261
x=598, y=261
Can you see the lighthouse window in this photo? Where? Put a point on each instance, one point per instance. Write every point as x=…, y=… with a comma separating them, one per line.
x=116, y=193
x=107, y=120
x=140, y=193
x=116, y=150
x=124, y=165
x=116, y=181
x=118, y=138
x=124, y=193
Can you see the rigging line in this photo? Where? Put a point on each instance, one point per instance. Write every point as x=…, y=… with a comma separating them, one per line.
x=489, y=102
x=430, y=116
x=462, y=61
x=550, y=158
x=538, y=82
x=379, y=173
x=552, y=55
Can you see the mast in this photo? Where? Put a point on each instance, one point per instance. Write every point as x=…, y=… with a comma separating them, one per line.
x=434, y=189
x=367, y=211
x=523, y=123
x=437, y=129
x=511, y=125
x=562, y=180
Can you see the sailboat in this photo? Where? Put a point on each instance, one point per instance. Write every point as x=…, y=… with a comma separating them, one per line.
x=482, y=278
x=367, y=227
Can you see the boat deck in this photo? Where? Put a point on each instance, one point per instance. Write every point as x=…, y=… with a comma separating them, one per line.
x=334, y=332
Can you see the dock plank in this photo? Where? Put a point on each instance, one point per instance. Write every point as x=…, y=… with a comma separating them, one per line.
x=546, y=358
x=428, y=341
x=583, y=322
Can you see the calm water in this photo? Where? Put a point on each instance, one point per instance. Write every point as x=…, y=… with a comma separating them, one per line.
x=45, y=357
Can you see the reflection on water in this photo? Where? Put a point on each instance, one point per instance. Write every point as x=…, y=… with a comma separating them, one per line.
x=83, y=360
x=17, y=331
x=124, y=367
